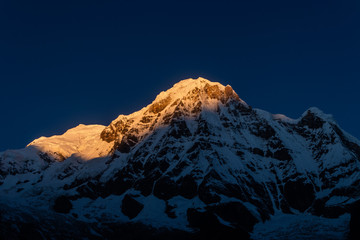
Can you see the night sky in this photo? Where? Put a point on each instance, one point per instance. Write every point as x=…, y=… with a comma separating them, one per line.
x=65, y=63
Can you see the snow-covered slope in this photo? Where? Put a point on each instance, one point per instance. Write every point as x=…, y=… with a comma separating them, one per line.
x=197, y=156
x=81, y=141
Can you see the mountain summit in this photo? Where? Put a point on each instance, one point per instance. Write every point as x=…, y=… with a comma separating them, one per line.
x=198, y=161
x=185, y=100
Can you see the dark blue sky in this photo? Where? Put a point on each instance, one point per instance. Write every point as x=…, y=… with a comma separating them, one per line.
x=64, y=63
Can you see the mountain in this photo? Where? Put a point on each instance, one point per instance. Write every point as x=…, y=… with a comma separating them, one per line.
x=198, y=162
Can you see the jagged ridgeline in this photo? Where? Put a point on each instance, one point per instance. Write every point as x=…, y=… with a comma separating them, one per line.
x=197, y=162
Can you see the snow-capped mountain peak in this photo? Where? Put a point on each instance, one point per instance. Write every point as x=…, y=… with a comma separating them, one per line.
x=197, y=156
x=186, y=99
x=197, y=89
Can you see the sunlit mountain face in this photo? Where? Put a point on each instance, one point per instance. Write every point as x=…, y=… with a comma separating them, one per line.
x=196, y=163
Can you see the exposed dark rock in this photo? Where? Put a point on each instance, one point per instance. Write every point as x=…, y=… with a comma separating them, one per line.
x=118, y=185
x=299, y=195
x=207, y=195
x=123, y=147
x=159, y=106
x=88, y=190
x=179, y=167
x=165, y=188
x=187, y=187
x=230, y=93
x=213, y=91
x=210, y=227
x=318, y=207
x=62, y=204
x=77, y=182
x=197, y=108
x=109, y=134
x=240, y=153
x=245, y=110
x=146, y=119
x=237, y=214
x=145, y=186
x=206, y=192
x=169, y=210
x=30, y=227
x=269, y=154
x=284, y=206
x=311, y=120
x=282, y=154
x=132, y=140
x=354, y=233
x=126, y=143
x=258, y=151
x=130, y=207
x=179, y=129
x=162, y=152
x=45, y=157
x=150, y=166
x=276, y=143
x=203, y=128
x=334, y=211
x=264, y=131
x=202, y=220
x=29, y=231
x=164, y=165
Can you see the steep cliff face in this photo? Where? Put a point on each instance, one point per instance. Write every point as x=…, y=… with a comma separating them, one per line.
x=197, y=156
